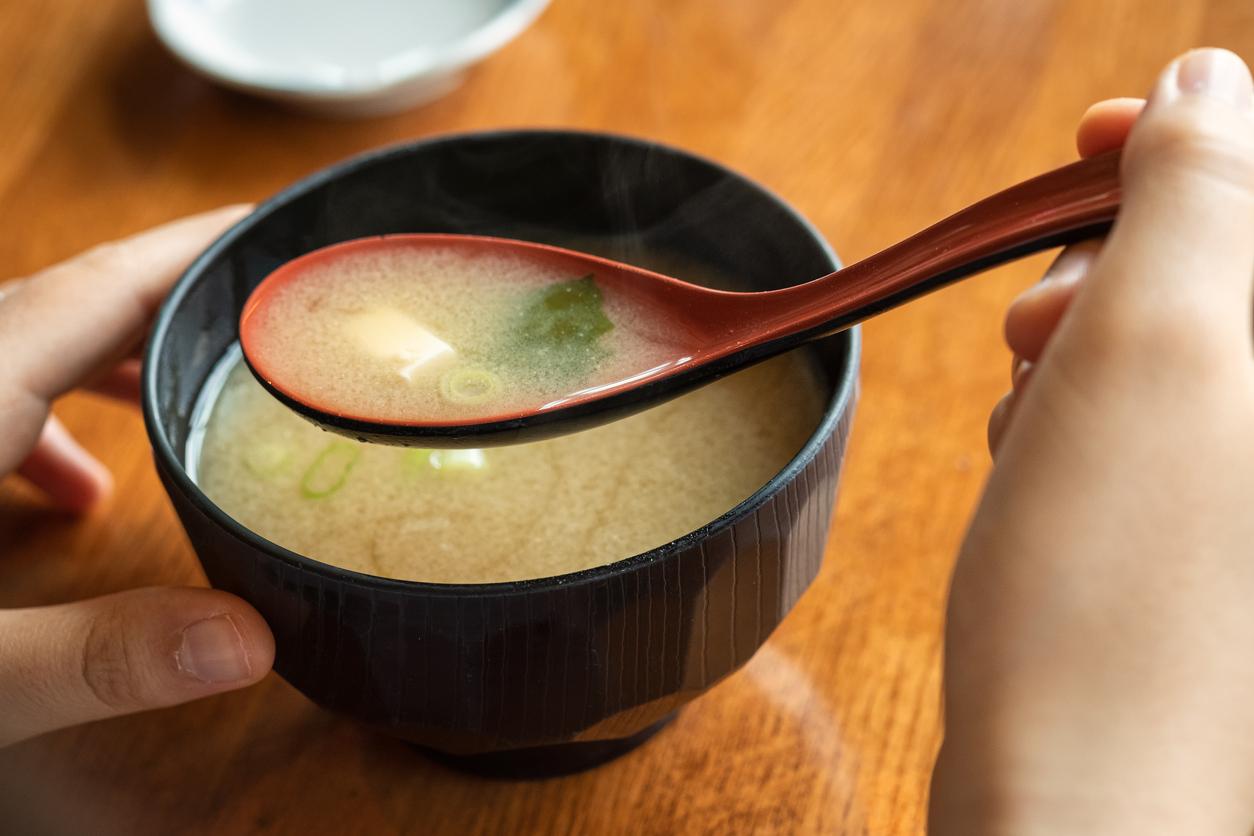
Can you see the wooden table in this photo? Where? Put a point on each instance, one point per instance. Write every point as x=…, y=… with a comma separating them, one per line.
x=872, y=117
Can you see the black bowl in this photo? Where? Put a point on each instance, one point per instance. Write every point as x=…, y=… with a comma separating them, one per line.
x=541, y=675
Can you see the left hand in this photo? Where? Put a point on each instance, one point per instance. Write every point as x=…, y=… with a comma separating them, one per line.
x=80, y=324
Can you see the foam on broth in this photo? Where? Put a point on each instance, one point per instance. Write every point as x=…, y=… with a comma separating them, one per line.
x=433, y=335
x=505, y=513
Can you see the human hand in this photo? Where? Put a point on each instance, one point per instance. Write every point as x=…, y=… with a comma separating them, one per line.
x=1035, y=314
x=80, y=323
x=1099, y=676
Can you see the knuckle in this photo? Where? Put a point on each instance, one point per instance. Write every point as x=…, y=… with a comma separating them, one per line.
x=109, y=256
x=109, y=667
x=1211, y=145
x=107, y=273
x=107, y=263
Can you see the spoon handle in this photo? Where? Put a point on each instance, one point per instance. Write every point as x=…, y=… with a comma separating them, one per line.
x=1066, y=205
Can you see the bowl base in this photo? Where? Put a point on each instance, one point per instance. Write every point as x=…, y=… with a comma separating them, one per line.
x=538, y=762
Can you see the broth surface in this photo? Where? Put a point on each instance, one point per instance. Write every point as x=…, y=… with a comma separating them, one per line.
x=504, y=513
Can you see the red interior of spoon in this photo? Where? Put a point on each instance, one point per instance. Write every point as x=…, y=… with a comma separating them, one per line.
x=684, y=312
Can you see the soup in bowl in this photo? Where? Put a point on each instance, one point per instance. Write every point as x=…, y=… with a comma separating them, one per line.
x=527, y=609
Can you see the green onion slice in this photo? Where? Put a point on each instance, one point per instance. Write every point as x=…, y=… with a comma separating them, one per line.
x=468, y=385
x=265, y=458
x=457, y=461
x=425, y=462
x=330, y=470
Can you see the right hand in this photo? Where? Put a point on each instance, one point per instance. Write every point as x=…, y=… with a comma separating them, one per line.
x=1034, y=315
x=1099, y=663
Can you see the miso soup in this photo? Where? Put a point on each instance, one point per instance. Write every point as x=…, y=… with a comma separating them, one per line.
x=431, y=335
x=504, y=513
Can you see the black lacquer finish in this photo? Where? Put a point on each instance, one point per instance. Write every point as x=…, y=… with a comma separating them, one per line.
x=573, y=669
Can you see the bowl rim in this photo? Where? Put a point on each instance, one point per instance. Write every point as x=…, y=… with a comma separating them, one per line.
x=841, y=402
x=510, y=21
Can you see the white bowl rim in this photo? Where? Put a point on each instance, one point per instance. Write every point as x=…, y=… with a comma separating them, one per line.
x=396, y=71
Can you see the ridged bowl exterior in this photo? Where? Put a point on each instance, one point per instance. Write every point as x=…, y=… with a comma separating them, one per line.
x=599, y=655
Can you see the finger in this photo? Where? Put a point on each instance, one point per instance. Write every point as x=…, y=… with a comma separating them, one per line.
x=59, y=466
x=1035, y=314
x=1022, y=377
x=998, y=421
x=120, y=383
x=1180, y=257
x=1033, y=317
x=68, y=321
x=1105, y=126
x=1002, y=416
x=123, y=653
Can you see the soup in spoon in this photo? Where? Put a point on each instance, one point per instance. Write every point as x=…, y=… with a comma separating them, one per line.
x=436, y=336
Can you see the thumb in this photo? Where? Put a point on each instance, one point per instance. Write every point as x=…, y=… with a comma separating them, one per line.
x=123, y=653
x=1179, y=262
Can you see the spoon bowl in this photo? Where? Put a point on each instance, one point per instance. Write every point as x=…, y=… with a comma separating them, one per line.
x=713, y=332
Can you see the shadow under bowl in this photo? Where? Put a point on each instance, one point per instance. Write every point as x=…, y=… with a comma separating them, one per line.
x=539, y=676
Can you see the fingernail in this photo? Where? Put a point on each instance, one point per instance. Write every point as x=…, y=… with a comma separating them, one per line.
x=997, y=422
x=1067, y=268
x=213, y=651
x=1217, y=74
x=1021, y=373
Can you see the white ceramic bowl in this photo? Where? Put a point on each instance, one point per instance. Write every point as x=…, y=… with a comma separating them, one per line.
x=339, y=57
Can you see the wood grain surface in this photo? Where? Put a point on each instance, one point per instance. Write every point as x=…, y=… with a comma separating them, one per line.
x=874, y=118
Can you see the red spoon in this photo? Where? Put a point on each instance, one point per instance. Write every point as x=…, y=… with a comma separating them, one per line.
x=719, y=331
